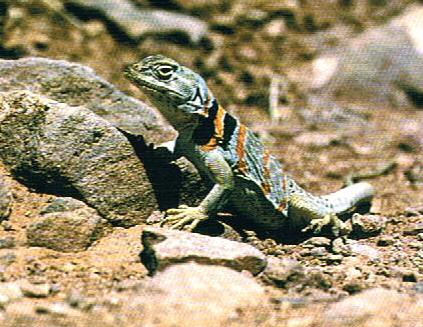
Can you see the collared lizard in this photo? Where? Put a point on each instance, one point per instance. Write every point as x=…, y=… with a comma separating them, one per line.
x=244, y=173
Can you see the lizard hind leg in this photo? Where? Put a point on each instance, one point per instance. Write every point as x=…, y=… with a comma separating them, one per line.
x=304, y=208
x=338, y=227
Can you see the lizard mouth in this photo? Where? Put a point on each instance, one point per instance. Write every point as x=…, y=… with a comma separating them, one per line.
x=143, y=82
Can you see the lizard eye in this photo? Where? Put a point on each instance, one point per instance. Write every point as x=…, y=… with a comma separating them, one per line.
x=164, y=72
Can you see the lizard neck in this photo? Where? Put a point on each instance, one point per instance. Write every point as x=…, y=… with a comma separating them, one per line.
x=215, y=128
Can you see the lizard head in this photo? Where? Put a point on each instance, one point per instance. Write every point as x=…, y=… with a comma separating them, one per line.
x=180, y=94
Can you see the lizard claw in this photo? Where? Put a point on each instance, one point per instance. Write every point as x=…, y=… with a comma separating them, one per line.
x=316, y=225
x=184, y=217
x=338, y=227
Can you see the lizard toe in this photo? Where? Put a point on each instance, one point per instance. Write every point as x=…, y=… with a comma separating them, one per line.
x=317, y=224
x=184, y=218
x=186, y=221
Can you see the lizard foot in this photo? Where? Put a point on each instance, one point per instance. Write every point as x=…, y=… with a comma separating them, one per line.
x=338, y=226
x=184, y=217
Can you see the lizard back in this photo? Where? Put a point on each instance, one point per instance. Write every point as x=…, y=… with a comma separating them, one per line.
x=244, y=152
x=251, y=161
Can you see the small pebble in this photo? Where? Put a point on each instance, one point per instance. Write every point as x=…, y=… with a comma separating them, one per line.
x=58, y=309
x=316, y=242
x=414, y=211
x=7, y=259
x=7, y=242
x=409, y=276
x=55, y=288
x=75, y=298
x=34, y=290
x=304, y=252
x=340, y=247
x=385, y=240
x=7, y=225
x=418, y=287
x=318, y=252
x=414, y=229
x=334, y=258
x=367, y=225
x=94, y=28
x=415, y=245
x=353, y=286
x=155, y=217
x=128, y=284
x=276, y=28
x=295, y=302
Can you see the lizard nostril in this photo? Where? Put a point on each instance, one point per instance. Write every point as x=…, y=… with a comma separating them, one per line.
x=127, y=68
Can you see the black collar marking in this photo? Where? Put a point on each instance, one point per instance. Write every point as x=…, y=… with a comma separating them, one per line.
x=230, y=124
x=205, y=130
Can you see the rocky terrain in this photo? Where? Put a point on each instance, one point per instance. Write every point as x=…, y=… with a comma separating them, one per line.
x=334, y=89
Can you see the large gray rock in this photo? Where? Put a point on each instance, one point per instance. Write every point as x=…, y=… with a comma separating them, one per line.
x=71, y=150
x=164, y=247
x=78, y=85
x=383, y=65
x=67, y=225
x=137, y=23
x=5, y=199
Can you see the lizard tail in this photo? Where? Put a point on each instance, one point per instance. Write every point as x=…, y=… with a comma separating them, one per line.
x=350, y=197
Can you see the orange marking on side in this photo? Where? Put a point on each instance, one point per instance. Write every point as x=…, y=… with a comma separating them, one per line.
x=240, y=148
x=265, y=187
x=218, y=123
x=210, y=145
x=282, y=205
x=266, y=173
x=218, y=131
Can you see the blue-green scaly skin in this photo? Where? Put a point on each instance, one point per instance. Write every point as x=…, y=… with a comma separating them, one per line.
x=220, y=146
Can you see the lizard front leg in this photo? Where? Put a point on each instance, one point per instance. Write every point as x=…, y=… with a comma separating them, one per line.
x=220, y=172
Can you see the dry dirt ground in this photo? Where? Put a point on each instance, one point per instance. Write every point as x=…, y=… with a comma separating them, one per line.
x=319, y=157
